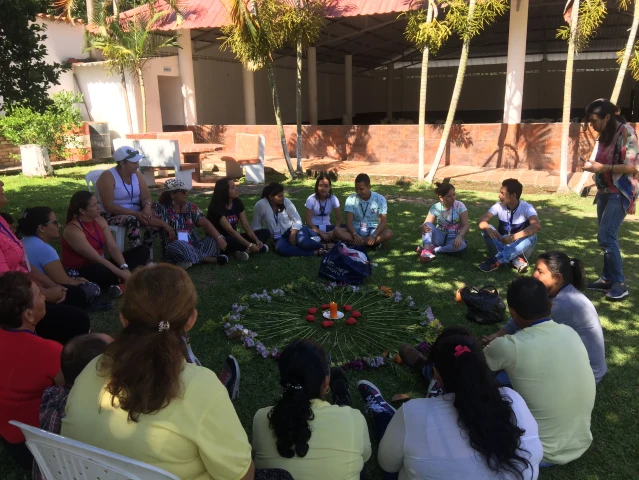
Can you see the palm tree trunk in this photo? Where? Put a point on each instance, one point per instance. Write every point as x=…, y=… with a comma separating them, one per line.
x=116, y=10
x=278, y=118
x=143, y=95
x=125, y=98
x=298, y=99
x=90, y=10
x=621, y=75
x=565, y=118
x=459, y=82
x=422, y=100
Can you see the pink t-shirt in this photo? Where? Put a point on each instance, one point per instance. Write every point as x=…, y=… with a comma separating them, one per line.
x=12, y=255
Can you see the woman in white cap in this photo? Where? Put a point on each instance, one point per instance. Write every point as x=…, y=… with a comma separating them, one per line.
x=180, y=242
x=125, y=198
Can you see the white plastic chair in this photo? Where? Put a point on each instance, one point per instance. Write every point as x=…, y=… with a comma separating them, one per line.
x=61, y=458
x=91, y=178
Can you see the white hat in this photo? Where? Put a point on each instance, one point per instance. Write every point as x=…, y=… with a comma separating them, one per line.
x=127, y=153
x=173, y=184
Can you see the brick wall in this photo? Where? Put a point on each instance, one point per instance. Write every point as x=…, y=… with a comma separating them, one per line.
x=529, y=146
x=6, y=149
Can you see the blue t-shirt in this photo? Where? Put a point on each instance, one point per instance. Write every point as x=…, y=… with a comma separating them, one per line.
x=39, y=253
x=366, y=211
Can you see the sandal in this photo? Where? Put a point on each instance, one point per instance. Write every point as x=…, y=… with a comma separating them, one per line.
x=320, y=253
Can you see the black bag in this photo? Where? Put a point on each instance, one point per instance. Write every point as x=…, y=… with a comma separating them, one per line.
x=345, y=265
x=484, y=305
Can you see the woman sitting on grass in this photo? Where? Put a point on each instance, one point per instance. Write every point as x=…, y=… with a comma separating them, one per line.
x=445, y=226
x=318, y=212
x=303, y=433
x=564, y=278
x=225, y=212
x=278, y=214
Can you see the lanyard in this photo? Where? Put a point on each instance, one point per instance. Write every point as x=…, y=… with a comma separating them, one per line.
x=452, y=213
x=540, y=321
x=125, y=187
x=276, y=216
x=510, y=219
x=364, y=210
x=323, y=207
x=10, y=234
x=18, y=330
x=96, y=230
x=181, y=215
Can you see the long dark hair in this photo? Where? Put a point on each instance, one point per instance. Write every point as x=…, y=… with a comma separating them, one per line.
x=601, y=108
x=273, y=189
x=303, y=370
x=79, y=201
x=220, y=197
x=570, y=269
x=145, y=362
x=323, y=176
x=32, y=218
x=485, y=415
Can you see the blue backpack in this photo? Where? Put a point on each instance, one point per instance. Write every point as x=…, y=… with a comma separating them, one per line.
x=345, y=265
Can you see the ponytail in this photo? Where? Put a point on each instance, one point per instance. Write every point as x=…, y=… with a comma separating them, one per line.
x=570, y=269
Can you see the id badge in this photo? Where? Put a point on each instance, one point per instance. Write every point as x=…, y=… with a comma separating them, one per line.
x=277, y=234
x=322, y=228
x=183, y=236
x=363, y=227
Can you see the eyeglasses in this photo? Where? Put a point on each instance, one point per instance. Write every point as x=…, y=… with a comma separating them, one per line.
x=55, y=222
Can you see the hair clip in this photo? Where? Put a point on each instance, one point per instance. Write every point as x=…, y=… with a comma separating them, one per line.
x=460, y=350
x=290, y=386
x=572, y=263
x=162, y=326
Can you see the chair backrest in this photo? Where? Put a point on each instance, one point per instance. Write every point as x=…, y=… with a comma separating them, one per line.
x=249, y=145
x=61, y=458
x=91, y=178
x=158, y=153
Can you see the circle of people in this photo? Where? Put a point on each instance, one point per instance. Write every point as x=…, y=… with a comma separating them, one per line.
x=499, y=407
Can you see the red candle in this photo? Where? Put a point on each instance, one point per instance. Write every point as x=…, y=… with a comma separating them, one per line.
x=333, y=308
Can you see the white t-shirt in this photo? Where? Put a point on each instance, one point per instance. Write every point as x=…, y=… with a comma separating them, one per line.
x=322, y=217
x=513, y=221
x=424, y=442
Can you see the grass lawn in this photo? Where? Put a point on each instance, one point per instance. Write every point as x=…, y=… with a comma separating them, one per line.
x=568, y=224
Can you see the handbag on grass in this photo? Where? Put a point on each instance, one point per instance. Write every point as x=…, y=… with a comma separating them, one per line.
x=484, y=305
x=345, y=265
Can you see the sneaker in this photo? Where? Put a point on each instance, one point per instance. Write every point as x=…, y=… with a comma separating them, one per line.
x=339, y=387
x=241, y=256
x=185, y=265
x=264, y=248
x=375, y=403
x=489, y=265
x=230, y=377
x=222, y=259
x=100, y=305
x=426, y=255
x=520, y=264
x=412, y=357
x=617, y=292
x=600, y=284
x=116, y=291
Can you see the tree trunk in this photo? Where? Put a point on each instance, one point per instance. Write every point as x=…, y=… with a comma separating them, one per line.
x=125, y=98
x=459, y=82
x=143, y=95
x=298, y=99
x=565, y=118
x=614, y=98
x=422, y=100
x=116, y=10
x=90, y=10
x=278, y=118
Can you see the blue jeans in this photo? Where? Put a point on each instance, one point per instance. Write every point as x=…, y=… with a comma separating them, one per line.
x=507, y=253
x=440, y=239
x=381, y=421
x=610, y=215
x=305, y=247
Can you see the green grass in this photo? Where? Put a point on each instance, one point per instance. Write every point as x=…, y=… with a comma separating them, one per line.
x=569, y=224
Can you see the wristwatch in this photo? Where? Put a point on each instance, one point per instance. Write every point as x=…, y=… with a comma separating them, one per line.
x=124, y=266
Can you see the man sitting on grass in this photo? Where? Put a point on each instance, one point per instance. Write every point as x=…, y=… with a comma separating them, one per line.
x=366, y=214
x=516, y=236
x=548, y=365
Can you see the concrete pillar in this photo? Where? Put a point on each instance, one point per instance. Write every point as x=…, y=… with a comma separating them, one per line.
x=348, y=78
x=312, y=86
x=390, y=75
x=249, y=96
x=516, y=68
x=185, y=62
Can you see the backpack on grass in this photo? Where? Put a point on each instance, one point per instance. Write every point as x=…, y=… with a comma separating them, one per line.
x=484, y=305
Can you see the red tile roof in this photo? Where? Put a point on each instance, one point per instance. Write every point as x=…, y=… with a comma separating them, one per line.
x=60, y=18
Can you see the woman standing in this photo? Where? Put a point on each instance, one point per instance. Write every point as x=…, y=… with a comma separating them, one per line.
x=39, y=226
x=225, y=212
x=615, y=169
x=85, y=240
x=180, y=243
x=125, y=199
x=278, y=214
x=318, y=212
x=445, y=226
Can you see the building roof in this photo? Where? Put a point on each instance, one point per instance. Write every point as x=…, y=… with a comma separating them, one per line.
x=60, y=18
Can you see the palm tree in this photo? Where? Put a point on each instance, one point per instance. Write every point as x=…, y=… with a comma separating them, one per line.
x=623, y=60
x=255, y=33
x=583, y=20
x=427, y=34
x=467, y=18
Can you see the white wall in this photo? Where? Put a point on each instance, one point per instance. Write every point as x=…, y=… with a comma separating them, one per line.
x=64, y=41
x=171, y=105
x=167, y=67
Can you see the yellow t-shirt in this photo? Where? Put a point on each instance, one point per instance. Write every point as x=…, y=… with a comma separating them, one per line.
x=196, y=437
x=548, y=366
x=338, y=447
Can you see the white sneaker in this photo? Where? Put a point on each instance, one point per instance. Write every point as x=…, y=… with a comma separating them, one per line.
x=185, y=265
x=241, y=256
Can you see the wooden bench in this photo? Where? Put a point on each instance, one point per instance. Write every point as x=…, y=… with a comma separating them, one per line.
x=160, y=155
x=248, y=156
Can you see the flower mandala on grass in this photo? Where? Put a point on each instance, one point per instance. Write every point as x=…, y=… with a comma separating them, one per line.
x=376, y=321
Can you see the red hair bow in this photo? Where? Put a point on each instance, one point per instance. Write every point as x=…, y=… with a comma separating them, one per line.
x=459, y=350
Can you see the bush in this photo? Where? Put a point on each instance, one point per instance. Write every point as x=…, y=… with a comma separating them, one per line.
x=52, y=128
